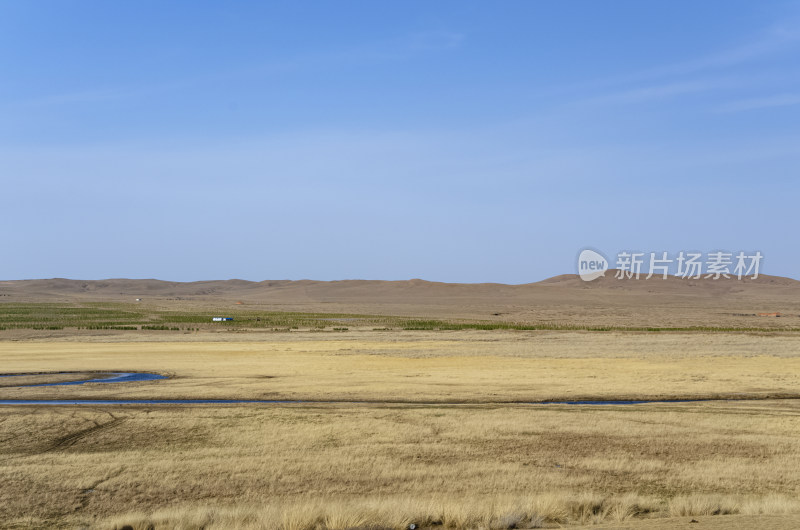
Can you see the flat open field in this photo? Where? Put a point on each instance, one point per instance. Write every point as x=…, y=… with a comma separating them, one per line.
x=442, y=434
x=468, y=366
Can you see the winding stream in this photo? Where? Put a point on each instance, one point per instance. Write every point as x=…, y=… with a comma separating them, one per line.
x=131, y=377
x=104, y=377
x=292, y=402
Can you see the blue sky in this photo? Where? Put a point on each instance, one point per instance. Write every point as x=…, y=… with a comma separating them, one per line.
x=451, y=141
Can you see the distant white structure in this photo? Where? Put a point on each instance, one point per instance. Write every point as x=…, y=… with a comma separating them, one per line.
x=221, y=319
x=138, y=299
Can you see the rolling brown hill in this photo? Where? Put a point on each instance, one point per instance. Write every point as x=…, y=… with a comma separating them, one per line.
x=561, y=299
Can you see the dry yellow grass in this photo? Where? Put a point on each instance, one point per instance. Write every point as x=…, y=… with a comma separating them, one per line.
x=483, y=465
x=468, y=366
x=399, y=513
x=332, y=466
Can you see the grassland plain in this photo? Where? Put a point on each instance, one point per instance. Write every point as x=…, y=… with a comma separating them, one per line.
x=470, y=366
x=328, y=466
x=405, y=456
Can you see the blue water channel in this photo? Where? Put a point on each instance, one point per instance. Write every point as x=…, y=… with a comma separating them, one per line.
x=130, y=377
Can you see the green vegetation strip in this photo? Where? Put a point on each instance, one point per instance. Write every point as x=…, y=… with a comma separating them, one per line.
x=134, y=317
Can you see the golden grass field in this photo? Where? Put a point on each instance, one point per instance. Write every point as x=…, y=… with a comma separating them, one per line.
x=469, y=366
x=408, y=454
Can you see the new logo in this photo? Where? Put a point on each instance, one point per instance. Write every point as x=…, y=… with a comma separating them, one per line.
x=591, y=265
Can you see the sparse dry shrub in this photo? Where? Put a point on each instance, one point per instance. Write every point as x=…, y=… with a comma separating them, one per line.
x=301, y=517
x=701, y=504
x=346, y=516
x=587, y=507
x=508, y=521
x=550, y=507
x=461, y=514
x=771, y=504
x=633, y=505
x=458, y=515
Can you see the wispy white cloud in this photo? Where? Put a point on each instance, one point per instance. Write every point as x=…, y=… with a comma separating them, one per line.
x=688, y=76
x=394, y=49
x=772, y=41
x=98, y=95
x=662, y=91
x=777, y=100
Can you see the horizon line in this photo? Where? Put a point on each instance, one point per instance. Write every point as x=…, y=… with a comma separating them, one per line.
x=609, y=276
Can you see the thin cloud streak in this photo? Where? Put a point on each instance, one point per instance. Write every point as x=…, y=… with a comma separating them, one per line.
x=662, y=91
x=378, y=52
x=778, y=100
x=777, y=39
x=678, y=76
